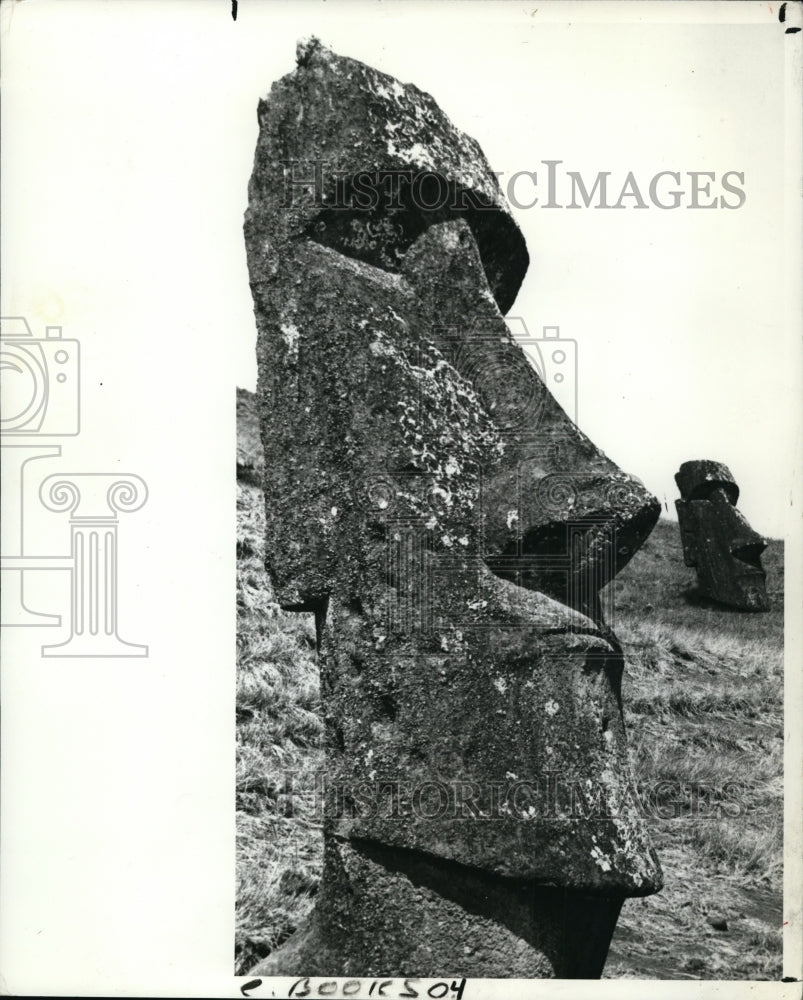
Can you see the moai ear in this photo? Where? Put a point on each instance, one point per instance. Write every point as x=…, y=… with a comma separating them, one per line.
x=688, y=532
x=699, y=478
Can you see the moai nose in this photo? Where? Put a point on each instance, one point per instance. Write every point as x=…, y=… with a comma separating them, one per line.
x=558, y=515
x=748, y=546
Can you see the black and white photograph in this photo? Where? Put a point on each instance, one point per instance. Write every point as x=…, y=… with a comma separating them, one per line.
x=401, y=452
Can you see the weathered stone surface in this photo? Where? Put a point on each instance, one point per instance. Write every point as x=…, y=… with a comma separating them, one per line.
x=698, y=479
x=431, y=919
x=450, y=527
x=551, y=483
x=336, y=122
x=717, y=539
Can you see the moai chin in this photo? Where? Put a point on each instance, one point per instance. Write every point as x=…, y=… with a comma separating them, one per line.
x=451, y=529
x=717, y=539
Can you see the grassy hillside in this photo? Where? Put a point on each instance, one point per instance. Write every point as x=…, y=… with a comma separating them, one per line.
x=703, y=696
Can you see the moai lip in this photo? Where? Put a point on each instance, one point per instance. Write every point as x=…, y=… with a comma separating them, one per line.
x=717, y=539
x=450, y=528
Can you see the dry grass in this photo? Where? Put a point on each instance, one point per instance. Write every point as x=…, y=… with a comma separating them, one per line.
x=703, y=701
x=278, y=736
x=703, y=696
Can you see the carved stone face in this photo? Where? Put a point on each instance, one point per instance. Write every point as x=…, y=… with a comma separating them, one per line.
x=431, y=502
x=717, y=539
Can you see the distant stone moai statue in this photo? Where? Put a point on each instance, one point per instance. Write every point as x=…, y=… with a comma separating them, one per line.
x=451, y=529
x=717, y=540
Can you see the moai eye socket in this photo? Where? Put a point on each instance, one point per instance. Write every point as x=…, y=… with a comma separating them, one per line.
x=380, y=238
x=376, y=217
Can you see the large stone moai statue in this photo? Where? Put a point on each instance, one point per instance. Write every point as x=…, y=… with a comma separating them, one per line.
x=716, y=538
x=451, y=529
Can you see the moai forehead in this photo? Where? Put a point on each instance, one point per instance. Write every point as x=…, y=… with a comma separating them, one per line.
x=376, y=154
